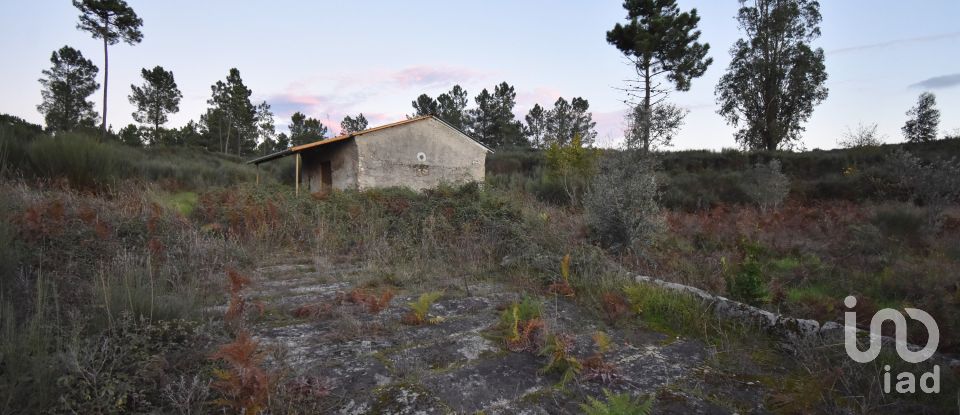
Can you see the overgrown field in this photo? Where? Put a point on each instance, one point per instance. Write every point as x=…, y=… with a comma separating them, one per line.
x=116, y=276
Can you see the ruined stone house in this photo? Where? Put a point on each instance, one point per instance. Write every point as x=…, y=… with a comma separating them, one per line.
x=418, y=153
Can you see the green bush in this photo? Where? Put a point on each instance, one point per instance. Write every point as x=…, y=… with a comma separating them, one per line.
x=621, y=208
x=746, y=282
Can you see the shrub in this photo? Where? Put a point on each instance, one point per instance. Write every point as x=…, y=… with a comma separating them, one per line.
x=746, y=283
x=621, y=209
x=117, y=372
x=901, y=222
x=934, y=185
x=766, y=185
x=572, y=165
x=862, y=136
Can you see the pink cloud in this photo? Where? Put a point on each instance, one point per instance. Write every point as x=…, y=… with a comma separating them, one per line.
x=429, y=76
x=545, y=96
x=610, y=127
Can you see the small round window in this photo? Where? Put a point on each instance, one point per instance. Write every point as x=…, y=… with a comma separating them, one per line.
x=421, y=157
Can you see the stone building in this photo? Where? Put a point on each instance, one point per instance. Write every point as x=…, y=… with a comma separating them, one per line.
x=418, y=153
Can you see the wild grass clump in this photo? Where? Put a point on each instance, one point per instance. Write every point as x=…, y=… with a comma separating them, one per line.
x=668, y=310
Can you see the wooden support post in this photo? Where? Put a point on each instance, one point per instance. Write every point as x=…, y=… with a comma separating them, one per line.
x=297, y=179
x=258, y=174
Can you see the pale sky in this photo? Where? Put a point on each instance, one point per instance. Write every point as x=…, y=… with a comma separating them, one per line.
x=330, y=59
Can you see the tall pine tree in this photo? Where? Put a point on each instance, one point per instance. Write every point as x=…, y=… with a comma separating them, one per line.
x=663, y=45
x=231, y=116
x=111, y=21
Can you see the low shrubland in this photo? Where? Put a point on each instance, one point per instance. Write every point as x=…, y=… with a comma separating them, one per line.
x=114, y=256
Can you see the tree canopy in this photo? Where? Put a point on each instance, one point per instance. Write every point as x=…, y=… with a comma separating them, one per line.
x=924, y=120
x=67, y=85
x=662, y=42
x=305, y=130
x=157, y=97
x=775, y=77
x=353, y=124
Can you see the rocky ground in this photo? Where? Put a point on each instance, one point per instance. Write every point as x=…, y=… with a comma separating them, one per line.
x=373, y=363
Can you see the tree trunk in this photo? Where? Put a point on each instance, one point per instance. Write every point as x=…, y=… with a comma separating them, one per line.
x=646, y=116
x=106, y=74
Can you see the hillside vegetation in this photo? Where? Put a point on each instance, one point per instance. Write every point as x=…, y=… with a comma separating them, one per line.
x=119, y=260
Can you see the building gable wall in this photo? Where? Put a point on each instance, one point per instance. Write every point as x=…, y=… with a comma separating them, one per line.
x=418, y=155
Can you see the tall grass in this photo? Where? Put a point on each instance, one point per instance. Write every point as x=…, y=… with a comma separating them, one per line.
x=88, y=163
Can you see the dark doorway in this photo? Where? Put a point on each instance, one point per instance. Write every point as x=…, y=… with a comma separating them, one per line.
x=326, y=175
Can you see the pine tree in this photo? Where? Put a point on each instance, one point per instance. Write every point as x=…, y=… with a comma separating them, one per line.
x=775, y=78
x=924, y=120
x=157, y=97
x=425, y=105
x=560, y=123
x=452, y=108
x=536, y=126
x=233, y=116
x=66, y=87
x=567, y=120
x=509, y=131
x=305, y=130
x=351, y=125
x=663, y=43
x=493, y=122
x=483, y=117
x=111, y=21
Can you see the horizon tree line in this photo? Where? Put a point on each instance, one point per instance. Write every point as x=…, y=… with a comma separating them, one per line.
x=773, y=82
